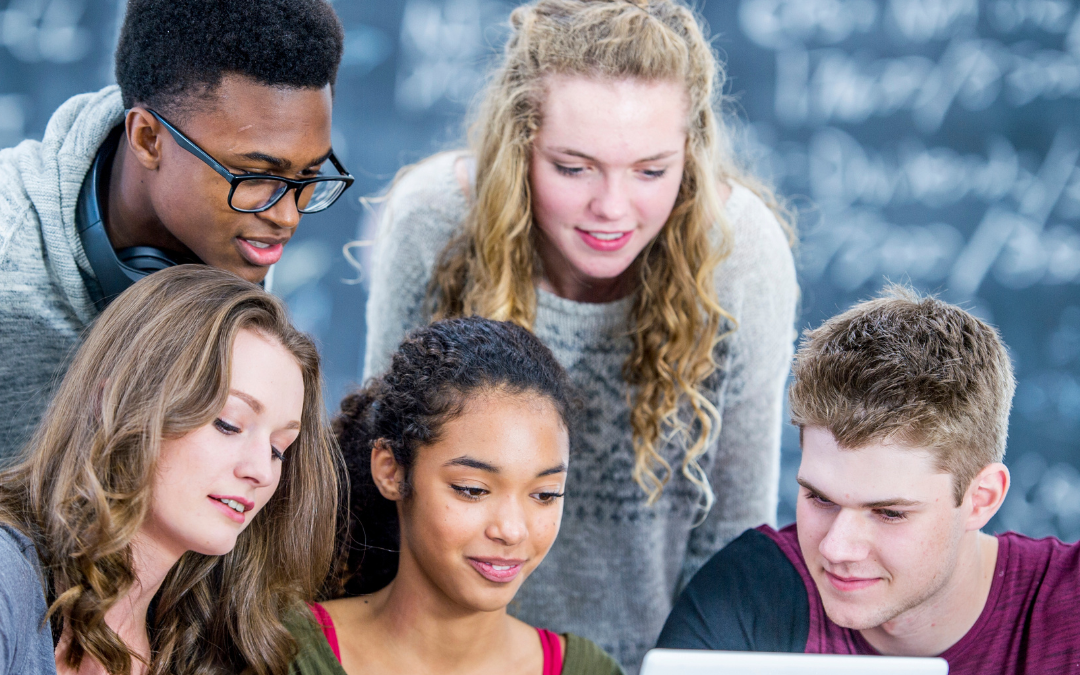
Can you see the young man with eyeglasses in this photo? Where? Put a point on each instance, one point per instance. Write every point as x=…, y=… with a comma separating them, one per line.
x=903, y=408
x=210, y=149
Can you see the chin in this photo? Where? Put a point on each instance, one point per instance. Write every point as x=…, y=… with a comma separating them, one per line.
x=218, y=546
x=854, y=617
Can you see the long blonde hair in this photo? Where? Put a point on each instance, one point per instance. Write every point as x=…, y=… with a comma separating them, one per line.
x=155, y=366
x=490, y=267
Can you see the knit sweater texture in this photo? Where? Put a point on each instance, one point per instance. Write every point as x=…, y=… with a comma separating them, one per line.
x=617, y=565
x=45, y=304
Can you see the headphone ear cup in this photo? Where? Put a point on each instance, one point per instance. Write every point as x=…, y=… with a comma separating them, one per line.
x=114, y=270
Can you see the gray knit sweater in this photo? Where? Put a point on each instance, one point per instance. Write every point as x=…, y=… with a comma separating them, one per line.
x=617, y=564
x=44, y=300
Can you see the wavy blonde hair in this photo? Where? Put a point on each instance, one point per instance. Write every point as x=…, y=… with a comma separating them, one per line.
x=156, y=366
x=491, y=266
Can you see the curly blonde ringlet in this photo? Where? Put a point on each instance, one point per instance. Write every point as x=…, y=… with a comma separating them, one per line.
x=491, y=267
x=156, y=365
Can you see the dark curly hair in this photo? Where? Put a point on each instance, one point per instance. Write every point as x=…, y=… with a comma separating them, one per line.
x=432, y=375
x=172, y=49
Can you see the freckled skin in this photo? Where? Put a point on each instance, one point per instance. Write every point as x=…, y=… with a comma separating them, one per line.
x=913, y=577
x=439, y=614
x=618, y=124
x=522, y=436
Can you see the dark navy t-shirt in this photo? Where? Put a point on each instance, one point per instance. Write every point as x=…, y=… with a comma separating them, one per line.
x=757, y=595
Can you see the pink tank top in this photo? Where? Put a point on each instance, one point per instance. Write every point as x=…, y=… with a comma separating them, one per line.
x=549, y=642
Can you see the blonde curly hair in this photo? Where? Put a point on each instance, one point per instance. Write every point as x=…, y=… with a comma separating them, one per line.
x=491, y=266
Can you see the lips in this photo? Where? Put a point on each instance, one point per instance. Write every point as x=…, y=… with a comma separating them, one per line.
x=260, y=251
x=498, y=570
x=850, y=584
x=604, y=241
x=232, y=506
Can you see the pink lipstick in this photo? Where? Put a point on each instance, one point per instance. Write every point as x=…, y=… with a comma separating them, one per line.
x=499, y=570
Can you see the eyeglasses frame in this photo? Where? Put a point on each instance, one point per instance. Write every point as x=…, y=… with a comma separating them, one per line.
x=236, y=179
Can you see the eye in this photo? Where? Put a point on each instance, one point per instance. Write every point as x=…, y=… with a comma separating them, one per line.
x=547, y=497
x=226, y=428
x=568, y=170
x=278, y=455
x=818, y=500
x=654, y=173
x=469, y=492
x=890, y=516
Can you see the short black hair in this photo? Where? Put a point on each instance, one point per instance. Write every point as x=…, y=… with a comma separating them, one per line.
x=435, y=371
x=171, y=49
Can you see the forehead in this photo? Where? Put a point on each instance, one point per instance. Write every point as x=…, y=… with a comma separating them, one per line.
x=607, y=115
x=872, y=473
x=514, y=432
x=246, y=115
x=263, y=368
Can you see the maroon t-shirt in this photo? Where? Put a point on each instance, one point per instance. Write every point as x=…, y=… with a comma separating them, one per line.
x=1030, y=624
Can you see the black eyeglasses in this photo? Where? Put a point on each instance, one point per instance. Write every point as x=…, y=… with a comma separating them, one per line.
x=255, y=192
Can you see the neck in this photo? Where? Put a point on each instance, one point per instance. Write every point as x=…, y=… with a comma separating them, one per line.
x=130, y=217
x=432, y=631
x=564, y=280
x=943, y=619
x=127, y=617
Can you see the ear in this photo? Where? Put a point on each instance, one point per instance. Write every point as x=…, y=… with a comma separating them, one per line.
x=144, y=136
x=388, y=475
x=986, y=494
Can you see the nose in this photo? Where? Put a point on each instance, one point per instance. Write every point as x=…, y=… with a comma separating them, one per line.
x=846, y=541
x=611, y=201
x=508, y=524
x=284, y=213
x=256, y=464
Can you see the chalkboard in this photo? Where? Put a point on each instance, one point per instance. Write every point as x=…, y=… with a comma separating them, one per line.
x=933, y=142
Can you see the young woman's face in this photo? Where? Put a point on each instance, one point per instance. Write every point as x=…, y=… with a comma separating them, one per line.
x=214, y=480
x=486, y=499
x=606, y=166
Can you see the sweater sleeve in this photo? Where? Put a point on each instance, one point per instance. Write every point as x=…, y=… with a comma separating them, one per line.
x=422, y=211
x=25, y=640
x=756, y=284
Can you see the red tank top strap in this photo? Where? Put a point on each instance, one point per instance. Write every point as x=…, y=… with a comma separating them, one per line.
x=322, y=617
x=553, y=657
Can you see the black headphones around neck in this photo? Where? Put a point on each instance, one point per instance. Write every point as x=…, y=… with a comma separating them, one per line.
x=115, y=269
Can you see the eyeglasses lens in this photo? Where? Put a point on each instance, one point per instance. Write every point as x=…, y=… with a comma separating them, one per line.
x=253, y=195
x=318, y=196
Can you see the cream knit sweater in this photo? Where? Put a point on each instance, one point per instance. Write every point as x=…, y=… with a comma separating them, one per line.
x=617, y=564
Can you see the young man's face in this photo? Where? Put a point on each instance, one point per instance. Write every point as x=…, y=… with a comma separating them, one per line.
x=878, y=527
x=249, y=128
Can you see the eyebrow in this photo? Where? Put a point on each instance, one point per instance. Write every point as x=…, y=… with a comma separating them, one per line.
x=258, y=407
x=561, y=468
x=280, y=163
x=576, y=153
x=881, y=504
x=471, y=463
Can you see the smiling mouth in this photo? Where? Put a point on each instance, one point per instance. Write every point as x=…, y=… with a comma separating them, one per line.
x=501, y=573
x=232, y=504
x=608, y=236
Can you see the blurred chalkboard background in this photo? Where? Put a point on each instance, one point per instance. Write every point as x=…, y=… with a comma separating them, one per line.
x=927, y=141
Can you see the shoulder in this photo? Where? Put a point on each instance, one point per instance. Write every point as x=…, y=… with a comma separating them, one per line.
x=22, y=596
x=585, y=657
x=759, y=245
x=314, y=655
x=748, y=596
x=427, y=193
x=16, y=209
x=1049, y=563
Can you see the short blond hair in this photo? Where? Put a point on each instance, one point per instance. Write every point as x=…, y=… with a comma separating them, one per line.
x=913, y=370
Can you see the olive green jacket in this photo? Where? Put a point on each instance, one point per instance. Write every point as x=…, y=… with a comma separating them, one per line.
x=582, y=656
